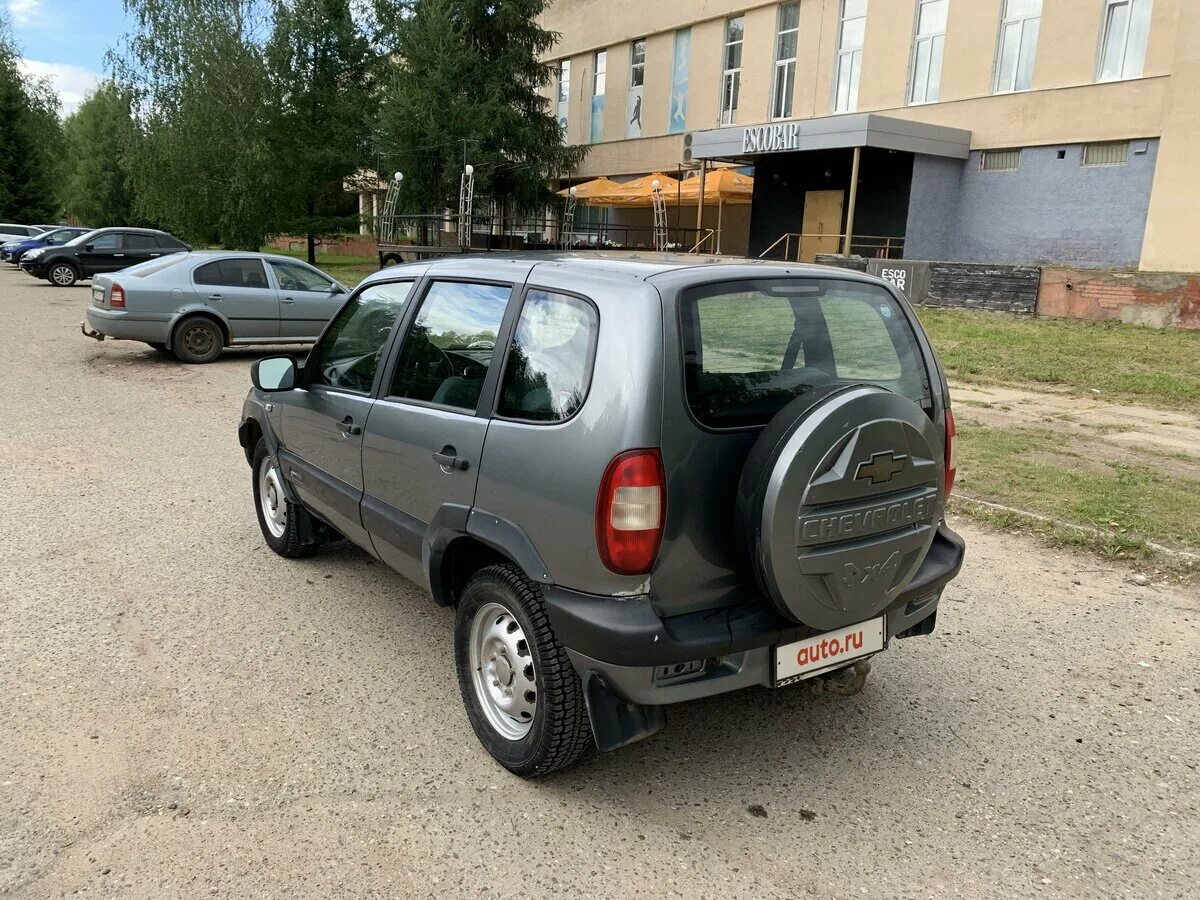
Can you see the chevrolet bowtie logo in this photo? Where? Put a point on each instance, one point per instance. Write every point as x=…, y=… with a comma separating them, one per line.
x=881, y=468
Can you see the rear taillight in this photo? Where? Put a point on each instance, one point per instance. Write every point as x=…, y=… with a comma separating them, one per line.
x=951, y=451
x=116, y=299
x=630, y=510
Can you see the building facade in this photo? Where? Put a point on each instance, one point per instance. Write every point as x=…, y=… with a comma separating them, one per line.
x=1002, y=131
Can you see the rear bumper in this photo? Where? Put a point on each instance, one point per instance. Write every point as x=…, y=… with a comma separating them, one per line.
x=629, y=643
x=119, y=325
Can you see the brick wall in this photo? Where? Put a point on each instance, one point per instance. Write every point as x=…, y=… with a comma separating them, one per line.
x=1159, y=300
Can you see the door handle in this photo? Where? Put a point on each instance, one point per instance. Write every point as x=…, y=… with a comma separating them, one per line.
x=118, y=254
x=287, y=300
x=215, y=296
x=348, y=428
x=448, y=458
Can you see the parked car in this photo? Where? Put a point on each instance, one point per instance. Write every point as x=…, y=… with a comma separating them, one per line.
x=10, y=232
x=638, y=481
x=99, y=251
x=13, y=250
x=197, y=303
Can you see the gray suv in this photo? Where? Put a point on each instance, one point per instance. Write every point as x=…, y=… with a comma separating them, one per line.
x=638, y=480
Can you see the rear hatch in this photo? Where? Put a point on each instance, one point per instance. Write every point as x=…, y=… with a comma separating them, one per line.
x=748, y=350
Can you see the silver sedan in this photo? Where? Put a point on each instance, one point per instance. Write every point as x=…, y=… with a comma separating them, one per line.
x=195, y=304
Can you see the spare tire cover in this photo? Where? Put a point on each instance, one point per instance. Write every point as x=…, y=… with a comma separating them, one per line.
x=838, y=503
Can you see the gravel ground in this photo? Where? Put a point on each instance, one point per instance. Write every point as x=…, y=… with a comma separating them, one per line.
x=185, y=714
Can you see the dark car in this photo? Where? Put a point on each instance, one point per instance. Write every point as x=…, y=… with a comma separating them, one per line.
x=55, y=237
x=99, y=251
x=639, y=481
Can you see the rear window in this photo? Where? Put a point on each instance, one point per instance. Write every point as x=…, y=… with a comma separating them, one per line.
x=752, y=347
x=141, y=270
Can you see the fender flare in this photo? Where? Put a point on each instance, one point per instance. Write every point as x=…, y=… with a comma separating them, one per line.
x=452, y=522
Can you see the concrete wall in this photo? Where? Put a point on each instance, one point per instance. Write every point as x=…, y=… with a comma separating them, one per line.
x=1050, y=209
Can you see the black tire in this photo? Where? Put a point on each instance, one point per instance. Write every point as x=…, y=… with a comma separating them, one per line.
x=197, y=340
x=298, y=538
x=560, y=731
x=62, y=274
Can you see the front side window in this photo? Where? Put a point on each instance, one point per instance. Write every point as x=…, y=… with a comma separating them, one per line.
x=348, y=355
x=450, y=346
x=1126, y=30
x=293, y=277
x=1018, y=45
x=637, y=63
x=108, y=241
x=550, y=364
x=752, y=347
x=852, y=29
x=240, y=273
x=731, y=80
x=928, y=45
x=784, y=83
x=58, y=238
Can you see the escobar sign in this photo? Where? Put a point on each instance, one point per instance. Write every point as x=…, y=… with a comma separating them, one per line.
x=771, y=138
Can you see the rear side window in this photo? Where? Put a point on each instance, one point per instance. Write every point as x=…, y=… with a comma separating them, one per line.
x=242, y=273
x=550, y=363
x=752, y=347
x=139, y=242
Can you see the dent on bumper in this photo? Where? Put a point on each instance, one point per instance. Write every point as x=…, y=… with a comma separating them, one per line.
x=626, y=640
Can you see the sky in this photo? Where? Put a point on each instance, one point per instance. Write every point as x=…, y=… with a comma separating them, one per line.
x=66, y=40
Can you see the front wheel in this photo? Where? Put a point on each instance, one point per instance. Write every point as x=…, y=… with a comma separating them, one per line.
x=62, y=275
x=198, y=340
x=287, y=528
x=522, y=695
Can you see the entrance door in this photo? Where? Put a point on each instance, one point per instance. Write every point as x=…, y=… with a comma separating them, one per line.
x=822, y=224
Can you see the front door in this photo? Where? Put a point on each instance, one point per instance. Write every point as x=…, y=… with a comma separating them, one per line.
x=425, y=437
x=102, y=253
x=323, y=419
x=307, y=300
x=237, y=289
x=821, y=230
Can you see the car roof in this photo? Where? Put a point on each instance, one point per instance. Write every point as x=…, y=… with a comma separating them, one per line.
x=639, y=265
x=246, y=254
x=133, y=230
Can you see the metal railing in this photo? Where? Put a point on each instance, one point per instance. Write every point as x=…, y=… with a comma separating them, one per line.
x=872, y=246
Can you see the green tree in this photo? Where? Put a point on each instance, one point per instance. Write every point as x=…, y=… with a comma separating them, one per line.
x=96, y=187
x=321, y=67
x=207, y=164
x=468, y=75
x=30, y=140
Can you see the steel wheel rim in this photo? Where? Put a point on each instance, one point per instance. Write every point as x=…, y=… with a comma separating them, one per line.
x=62, y=275
x=199, y=340
x=271, y=498
x=502, y=672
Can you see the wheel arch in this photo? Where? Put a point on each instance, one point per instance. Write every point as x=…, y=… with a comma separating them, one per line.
x=464, y=541
x=205, y=312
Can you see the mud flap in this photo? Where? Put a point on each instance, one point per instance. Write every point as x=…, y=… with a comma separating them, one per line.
x=617, y=722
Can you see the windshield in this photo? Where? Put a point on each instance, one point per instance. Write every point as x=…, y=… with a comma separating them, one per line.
x=752, y=347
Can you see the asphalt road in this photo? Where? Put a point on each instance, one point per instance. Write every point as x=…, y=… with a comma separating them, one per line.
x=183, y=713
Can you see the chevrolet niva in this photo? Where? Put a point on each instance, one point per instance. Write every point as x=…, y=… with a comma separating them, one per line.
x=638, y=480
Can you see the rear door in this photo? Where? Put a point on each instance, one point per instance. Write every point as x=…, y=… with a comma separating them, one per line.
x=323, y=419
x=237, y=288
x=307, y=299
x=425, y=437
x=139, y=248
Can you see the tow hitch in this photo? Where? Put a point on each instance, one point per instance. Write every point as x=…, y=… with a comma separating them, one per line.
x=89, y=332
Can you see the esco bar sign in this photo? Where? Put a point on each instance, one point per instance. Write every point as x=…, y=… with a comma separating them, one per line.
x=771, y=138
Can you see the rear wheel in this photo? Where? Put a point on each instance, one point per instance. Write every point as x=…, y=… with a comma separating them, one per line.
x=521, y=692
x=62, y=274
x=197, y=340
x=284, y=525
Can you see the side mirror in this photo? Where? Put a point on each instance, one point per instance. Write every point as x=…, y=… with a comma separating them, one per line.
x=337, y=289
x=89, y=247
x=273, y=374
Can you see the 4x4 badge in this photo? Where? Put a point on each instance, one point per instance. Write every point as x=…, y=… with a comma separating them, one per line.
x=881, y=468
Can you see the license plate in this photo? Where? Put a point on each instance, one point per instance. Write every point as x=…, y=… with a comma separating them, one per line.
x=98, y=295
x=814, y=655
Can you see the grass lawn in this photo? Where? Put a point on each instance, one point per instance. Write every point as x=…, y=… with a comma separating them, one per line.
x=349, y=270
x=1028, y=468
x=1144, y=365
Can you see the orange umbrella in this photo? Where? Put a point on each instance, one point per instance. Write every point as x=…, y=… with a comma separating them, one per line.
x=638, y=192
x=720, y=186
x=593, y=191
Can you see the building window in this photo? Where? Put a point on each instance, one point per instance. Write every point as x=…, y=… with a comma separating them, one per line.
x=851, y=30
x=785, y=61
x=1018, y=45
x=1123, y=40
x=731, y=80
x=637, y=64
x=1111, y=153
x=927, y=50
x=599, y=69
x=999, y=160
x=564, y=80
